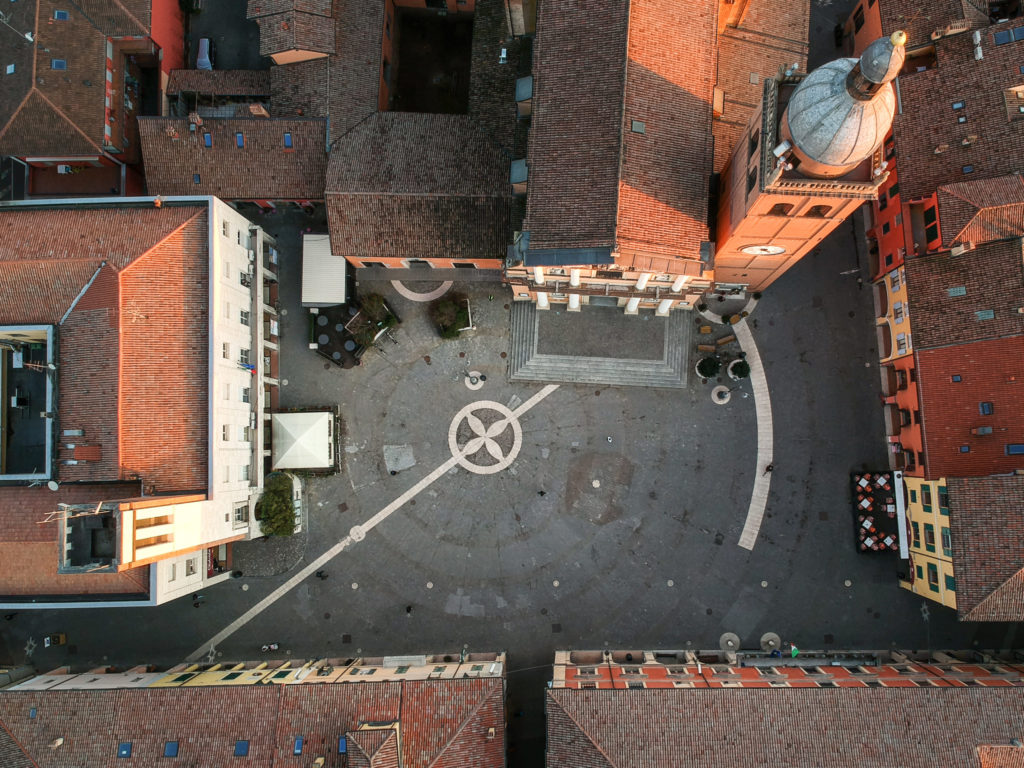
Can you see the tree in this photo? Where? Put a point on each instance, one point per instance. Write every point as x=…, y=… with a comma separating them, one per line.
x=740, y=369
x=275, y=510
x=708, y=367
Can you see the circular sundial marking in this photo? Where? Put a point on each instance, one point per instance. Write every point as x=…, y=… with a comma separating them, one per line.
x=357, y=533
x=485, y=437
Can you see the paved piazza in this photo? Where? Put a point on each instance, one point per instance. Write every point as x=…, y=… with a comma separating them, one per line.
x=530, y=517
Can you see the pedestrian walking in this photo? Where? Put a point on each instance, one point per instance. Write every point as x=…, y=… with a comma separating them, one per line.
x=321, y=575
x=408, y=610
x=270, y=647
x=768, y=469
x=542, y=493
x=198, y=599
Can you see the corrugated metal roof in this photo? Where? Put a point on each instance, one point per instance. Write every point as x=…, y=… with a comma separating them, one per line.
x=323, y=273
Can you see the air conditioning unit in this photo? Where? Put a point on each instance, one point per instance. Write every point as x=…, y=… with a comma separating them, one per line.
x=252, y=255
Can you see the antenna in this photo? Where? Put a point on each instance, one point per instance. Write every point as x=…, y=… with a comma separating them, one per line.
x=53, y=485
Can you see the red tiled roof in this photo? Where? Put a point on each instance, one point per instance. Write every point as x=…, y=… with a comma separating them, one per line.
x=297, y=90
x=262, y=169
x=49, y=254
x=919, y=20
x=1003, y=756
x=443, y=723
x=999, y=142
x=990, y=371
x=410, y=185
x=355, y=69
x=294, y=30
x=258, y=8
x=11, y=754
x=825, y=728
x=771, y=33
x=220, y=82
x=594, y=182
x=53, y=112
x=993, y=276
x=982, y=210
x=986, y=517
x=164, y=361
x=579, y=66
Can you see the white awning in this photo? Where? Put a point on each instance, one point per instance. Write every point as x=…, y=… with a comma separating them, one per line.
x=303, y=440
x=323, y=273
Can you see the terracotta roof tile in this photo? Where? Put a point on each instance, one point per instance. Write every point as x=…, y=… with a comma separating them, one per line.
x=579, y=67
x=355, y=70
x=220, y=82
x=258, y=8
x=409, y=185
x=982, y=210
x=164, y=361
x=990, y=371
x=771, y=34
x=62, y=112
x=11, y=754
x=999, y=142
x=986, y=516
x=262, y=169
x=826, y=728
x=294, y=30
x=919, y=21
x=1001, y=757
x=993, y=276
x=298, y=89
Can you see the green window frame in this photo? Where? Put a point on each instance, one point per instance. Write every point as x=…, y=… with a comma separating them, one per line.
x=943, y=500
x=917, y=534
x=933, y=577
x=947, y=542
x=929, y=537
x=950, y=583
x=913, y=496
x=926, y=497
x=920, y=572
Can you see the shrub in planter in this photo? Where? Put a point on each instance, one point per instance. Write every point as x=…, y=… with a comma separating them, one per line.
x=739, y=369
x=709, y=367
x=726, y=318
x=374, y=308
x=450, y=314
x=275, y=510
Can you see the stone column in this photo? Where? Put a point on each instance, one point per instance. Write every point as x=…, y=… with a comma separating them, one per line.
x=574, y=278
x=678, y=284
x=542, y=300
x=633, y=305
x=538, y=275
x=574, y=302
x=664, y=306
x=642, y=281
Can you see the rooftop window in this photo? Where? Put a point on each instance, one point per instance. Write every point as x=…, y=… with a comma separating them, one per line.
x=1015, y=449
x=965, y=449
x=956, y=378
x=240, y=140
x=124, y=749
x=968, y=169
x=242, y=748
x=957, y=290
x=171, y=749
x=287, y=141
x=297, y=747
x=10, y=69
x=958, y=105
x=61, y=15
x=195, y=178
x=985, y=408
x=207, y=139
x=1004, y=36
x=58, y=64
x=985, y=314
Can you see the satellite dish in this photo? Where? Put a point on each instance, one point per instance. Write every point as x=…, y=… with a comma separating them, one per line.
x=53, y=485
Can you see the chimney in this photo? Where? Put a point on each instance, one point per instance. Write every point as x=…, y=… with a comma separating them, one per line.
x=258, y=110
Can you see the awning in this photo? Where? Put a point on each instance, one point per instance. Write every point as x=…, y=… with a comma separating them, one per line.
x=303, y=440
x=323, y=273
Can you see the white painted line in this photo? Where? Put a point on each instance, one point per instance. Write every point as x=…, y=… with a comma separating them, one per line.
x=765, y=436
x=358, y=533
x=441, y=290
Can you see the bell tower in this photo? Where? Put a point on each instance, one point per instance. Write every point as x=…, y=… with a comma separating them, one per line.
x=809, y=158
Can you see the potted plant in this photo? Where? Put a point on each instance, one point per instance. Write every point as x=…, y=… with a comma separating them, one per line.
x=738, y=369
x=708, y=367
x=451, y=315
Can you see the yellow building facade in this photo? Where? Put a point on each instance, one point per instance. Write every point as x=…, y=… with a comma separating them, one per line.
x=931, y=545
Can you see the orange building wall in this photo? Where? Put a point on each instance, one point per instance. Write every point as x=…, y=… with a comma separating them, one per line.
x=434, y=263
x=856, y=40
x=885, y=230
x=168, y=31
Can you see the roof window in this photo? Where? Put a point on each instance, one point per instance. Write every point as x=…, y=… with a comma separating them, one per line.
x=968, y=169
x=242, y=748
x=638, y=126
x=297, y=747
x=61, y=15
x=985, y=314
x=1004, y=36
x=958, y=105
x=240, y=140
x=287, y=141
x=195, y=178
x=171, y=749
x=10, y=69
x=58, y=64
x=124, y=749
x=956, y=378
x=207, y=139
x=1015, y=449
x=957, y=290
x=985, y=408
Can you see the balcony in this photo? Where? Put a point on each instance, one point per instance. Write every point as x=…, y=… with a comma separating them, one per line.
x=890, y=380
x=892, y=420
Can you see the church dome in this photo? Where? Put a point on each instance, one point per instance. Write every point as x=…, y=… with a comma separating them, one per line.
x=839, y=114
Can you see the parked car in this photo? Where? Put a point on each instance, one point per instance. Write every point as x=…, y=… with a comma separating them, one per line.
x=204, y=57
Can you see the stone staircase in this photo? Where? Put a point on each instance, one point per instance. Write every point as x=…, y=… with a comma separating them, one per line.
x=525, y=364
